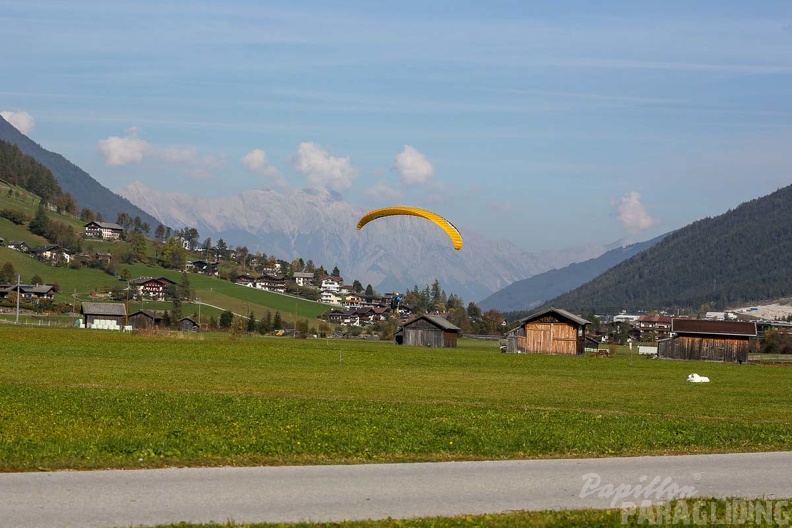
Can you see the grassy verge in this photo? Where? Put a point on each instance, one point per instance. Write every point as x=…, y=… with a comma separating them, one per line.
x=695, y=512
x=74, y=398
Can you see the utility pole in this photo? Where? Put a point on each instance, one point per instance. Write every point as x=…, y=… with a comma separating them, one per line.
x=19, y=293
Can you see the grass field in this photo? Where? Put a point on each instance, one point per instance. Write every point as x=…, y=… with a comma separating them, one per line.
x=83, y=399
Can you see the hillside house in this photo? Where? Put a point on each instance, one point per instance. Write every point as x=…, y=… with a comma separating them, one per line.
x=153, y=288
x=18, y=245
x=330, y=297
x=29, y=292
x=270, y=282
x=103, y=230
x=332, y=284
x=203, y=266
x=303, y=279
x=550, y=331
x=709, y=340
x=430, y=331
x=51, y=254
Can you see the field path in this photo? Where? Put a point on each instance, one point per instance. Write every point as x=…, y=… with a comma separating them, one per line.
x=331, y=493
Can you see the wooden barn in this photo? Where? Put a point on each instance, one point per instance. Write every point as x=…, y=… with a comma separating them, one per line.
x=103, y=315
x=428, y=330
x=145, y=319
x=550, y=331
x=709, y=340
x=186, y=324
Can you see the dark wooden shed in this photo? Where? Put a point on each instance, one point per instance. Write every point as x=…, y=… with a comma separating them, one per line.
x=103, y=315
x=429, y=330
x=145, y=319
x=188, y=325
x=709, y=340
x=550, y=331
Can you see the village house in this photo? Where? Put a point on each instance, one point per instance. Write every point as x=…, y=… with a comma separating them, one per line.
x=51, y=253
x=330, y=297
x=653, y=327
x=332, y=284
x=273, y=283
x=103, y=230
x=203, y=266
x=153, y=288
x=303, y=279
x=29, y=292
x=18, y=245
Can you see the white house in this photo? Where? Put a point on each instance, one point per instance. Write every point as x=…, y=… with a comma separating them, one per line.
x=332, y=284
x=330, y=297
x=302, y=278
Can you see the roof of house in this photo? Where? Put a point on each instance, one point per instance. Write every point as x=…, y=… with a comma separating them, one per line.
x=709, y=327
x=654, y=319
x=563, y=313
x=94, y=308
x=144, y=280
x=106, y=225
x=436, y=320
x=151, y=314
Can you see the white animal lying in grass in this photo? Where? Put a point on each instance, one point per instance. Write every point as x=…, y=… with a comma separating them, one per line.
x=695, y=378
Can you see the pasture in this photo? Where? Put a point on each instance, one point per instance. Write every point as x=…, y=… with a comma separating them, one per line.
x=86, y=399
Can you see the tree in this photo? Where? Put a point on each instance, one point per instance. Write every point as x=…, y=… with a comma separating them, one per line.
x=40, y=222
x=137, y=244
x=226, y=318
x=336, y=272
x=7, y=273
x=184, y=290
x=277, y=323
x=357, y=287
x=87, y=215
x=369, y=291
x=159, y=233
x=176, y=312
x=251, y=323
x=174, y=254
x=36, y=279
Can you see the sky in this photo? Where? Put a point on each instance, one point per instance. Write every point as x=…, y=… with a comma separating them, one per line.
x=547, y=124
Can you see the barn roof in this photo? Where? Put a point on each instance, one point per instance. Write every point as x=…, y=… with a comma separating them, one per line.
x=558, y=311
x=436, y=320
x=709, y=327
x=92, y=308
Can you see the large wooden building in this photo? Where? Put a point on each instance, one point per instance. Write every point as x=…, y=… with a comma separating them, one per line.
x=106, y=316
x=709, y=340
x=550, y=331
x=430, y=331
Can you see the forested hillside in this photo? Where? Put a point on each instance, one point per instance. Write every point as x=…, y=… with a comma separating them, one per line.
x=22, y=170
x=529, y=293
x=73, y=180
x=742, y=256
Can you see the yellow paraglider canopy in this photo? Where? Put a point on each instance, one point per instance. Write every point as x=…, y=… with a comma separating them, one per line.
x=445, y=225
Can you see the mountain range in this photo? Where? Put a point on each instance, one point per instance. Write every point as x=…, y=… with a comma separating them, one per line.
x=391, y=254
x=739, y=257
x=532, y=292
x=395, y=253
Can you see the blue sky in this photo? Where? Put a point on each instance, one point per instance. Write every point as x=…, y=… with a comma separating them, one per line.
x=549, y=124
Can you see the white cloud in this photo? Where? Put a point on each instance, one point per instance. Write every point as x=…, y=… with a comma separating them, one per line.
x=177, y=155
x=632, y=212
x=124, y=150
x=256, y=161
x=22, y=121
x=414, y=168
x=323, y=170
x=383, y=192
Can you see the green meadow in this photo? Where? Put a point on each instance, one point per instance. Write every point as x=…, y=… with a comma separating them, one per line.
x=85, y=399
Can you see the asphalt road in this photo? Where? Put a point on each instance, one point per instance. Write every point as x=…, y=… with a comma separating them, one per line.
x=331, y=493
